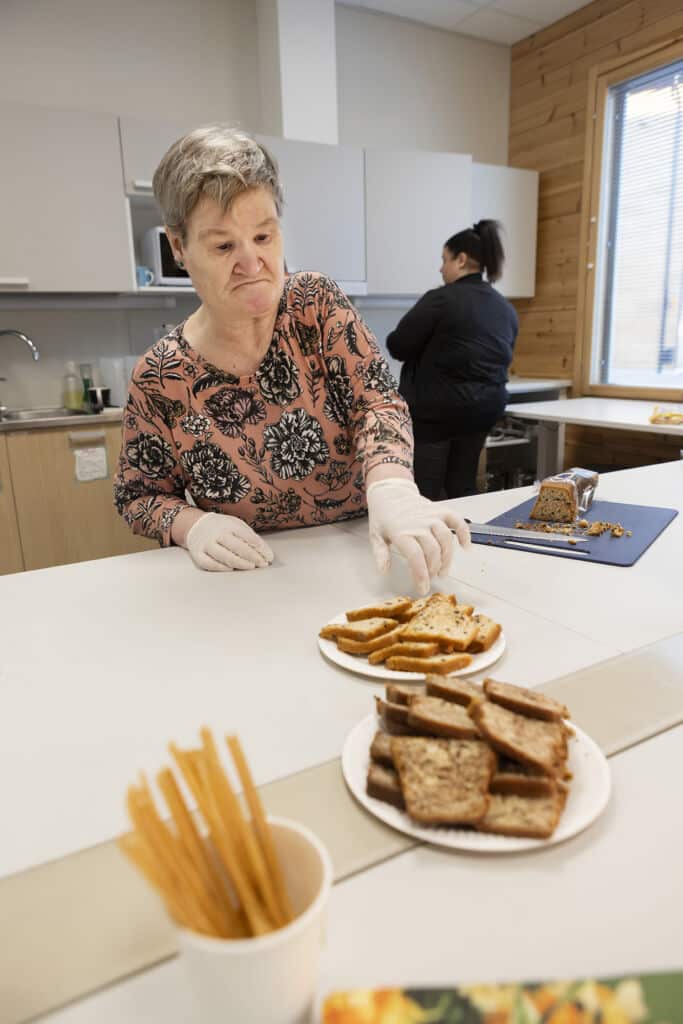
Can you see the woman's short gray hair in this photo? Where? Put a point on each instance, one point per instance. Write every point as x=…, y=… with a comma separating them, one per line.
x=215, y=161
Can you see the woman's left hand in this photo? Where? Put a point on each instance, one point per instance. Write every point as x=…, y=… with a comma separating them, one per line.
x=419, y=529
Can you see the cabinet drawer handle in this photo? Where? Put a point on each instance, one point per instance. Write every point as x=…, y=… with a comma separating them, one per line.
x=142, y=185
x=14, y=282
x=86, y=436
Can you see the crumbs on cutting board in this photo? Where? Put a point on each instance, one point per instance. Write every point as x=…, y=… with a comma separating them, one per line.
x=583, y=528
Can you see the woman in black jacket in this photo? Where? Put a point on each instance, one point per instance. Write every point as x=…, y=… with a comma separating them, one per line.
x=456, y=346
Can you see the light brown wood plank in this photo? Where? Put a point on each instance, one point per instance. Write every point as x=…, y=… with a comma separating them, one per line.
x=559, y=29
x=11, y=557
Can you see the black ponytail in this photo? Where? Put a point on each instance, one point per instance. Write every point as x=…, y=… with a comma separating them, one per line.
x=483, y=245
x=492, y=255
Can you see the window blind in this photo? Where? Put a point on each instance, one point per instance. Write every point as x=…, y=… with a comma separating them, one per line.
x=641, y=305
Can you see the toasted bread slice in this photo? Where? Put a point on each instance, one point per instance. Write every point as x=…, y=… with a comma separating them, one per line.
x=368, y=629
x=394, y=718
x=518, y=784
x=383, y=609
x=415, y=607
x=441, y=718
x=440, y=664
x=441, y=621
x=444, y=782
x=368, y=646
x=380, y=749
x=528, y=740
x=459, y=691
x=525, y=701
x=401, y=693
x=533, y=817
x=383, y=784
x=410, y=650
x=487, y=633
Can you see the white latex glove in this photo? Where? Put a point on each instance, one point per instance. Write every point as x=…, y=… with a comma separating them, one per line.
x=419, y=529
x=220, y=543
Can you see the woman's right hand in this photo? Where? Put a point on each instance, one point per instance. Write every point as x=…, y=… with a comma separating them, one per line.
x=220, y=543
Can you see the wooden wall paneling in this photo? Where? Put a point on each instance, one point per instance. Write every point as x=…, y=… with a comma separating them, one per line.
x=559, y=29
x=549, y=126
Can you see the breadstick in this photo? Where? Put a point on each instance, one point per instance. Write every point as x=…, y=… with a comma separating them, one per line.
x=256, y=914
x=231, y=813
x=187, y=830
x=261, y=828
x=135, y=849
x=167, y=848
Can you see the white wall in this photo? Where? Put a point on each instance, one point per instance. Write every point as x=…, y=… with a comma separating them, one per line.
x=399, y=84
x=185, y=58
x=406, y=86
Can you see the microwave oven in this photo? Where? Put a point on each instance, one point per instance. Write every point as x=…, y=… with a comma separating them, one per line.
x=158, y=256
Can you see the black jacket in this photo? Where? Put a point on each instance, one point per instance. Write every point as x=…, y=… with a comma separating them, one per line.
x=456, y=346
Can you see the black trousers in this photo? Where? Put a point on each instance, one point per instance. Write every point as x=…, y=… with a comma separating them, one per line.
x=448, y=469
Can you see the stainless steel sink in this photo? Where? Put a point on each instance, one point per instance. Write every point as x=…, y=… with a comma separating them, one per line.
x=17, y=415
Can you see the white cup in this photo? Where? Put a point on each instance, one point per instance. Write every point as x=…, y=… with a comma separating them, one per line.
x=270, y=979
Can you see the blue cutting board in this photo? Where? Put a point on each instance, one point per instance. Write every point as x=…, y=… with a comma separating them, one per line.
x=646, y=522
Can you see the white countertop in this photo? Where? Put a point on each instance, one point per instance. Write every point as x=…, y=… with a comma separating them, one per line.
x=624, y=608
x=515, y=385
x=614, y=413
x=606, y=902
x=104, y=662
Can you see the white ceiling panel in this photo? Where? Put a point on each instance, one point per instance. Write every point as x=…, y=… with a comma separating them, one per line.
x=437, y=13
x=497, y=26
x=499, y=21
x=544, y=11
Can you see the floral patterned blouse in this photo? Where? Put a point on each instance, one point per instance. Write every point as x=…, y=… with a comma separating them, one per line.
x=288, y=446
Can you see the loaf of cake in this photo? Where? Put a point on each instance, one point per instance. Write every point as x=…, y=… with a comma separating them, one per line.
x=562, y=497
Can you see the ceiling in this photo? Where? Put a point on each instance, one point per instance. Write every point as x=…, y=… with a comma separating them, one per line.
x=499, y=21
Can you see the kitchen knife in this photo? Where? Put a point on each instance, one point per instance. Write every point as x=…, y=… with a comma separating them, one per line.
x=533, y=536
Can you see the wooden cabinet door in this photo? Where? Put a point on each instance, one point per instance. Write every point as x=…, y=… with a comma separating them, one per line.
x=11, y=558
x=414, y=202
x=62, y=206
x=510, y=195
x=62, y=519
x=324, y=217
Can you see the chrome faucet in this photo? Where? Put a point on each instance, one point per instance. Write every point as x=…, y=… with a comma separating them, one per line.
x=27, y=341
x=25, y=338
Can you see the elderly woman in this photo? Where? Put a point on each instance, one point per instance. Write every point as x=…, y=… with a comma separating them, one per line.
x=271, y=406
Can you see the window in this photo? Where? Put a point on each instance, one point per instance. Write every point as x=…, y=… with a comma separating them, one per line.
x=633, y=313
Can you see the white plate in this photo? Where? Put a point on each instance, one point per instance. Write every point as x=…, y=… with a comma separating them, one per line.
x=359, y=663
x=588, y=796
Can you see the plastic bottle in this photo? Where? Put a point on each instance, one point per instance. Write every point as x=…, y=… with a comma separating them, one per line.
x=72, y=388
x=86, y=383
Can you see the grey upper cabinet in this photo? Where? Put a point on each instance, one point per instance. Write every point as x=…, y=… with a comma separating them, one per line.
x=62, y=209
x=415, y=201
x=143, y=143
x=510, y=195
x=324, y=215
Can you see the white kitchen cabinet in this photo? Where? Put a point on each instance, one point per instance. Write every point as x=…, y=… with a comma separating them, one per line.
x=62, y=207
x=510, y=195
x=415, y=201
x=324, y=215
x=143, y=143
